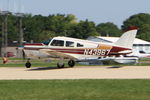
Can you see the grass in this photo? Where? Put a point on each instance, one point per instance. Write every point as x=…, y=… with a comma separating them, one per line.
x=21, y=63
x=18, y=62
x=71, y=89
x=75, y=90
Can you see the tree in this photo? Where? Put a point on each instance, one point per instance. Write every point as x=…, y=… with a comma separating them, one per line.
x=136, y=20
x=33, y=25
x=84, y=29
x=142, y=21
x=144, y=32
x=108, y=29
x=45, y=35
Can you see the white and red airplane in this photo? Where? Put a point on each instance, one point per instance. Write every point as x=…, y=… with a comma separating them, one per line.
x=78, y=49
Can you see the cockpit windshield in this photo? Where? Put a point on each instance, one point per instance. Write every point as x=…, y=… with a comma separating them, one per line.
x=47, y=42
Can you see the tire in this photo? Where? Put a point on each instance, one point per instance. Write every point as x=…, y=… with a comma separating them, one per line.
x=60, y=65
x=28, y=65
x=71, y=63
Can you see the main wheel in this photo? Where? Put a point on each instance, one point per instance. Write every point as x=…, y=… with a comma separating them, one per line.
x=60, y=65
x=28, y=64
x=71, y=63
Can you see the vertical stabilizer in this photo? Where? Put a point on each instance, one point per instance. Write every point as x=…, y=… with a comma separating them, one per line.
x=127, y=39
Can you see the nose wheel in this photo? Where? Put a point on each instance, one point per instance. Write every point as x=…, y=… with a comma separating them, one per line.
x=28, y=64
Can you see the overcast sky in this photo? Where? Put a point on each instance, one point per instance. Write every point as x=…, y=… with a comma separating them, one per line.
x=99, y=11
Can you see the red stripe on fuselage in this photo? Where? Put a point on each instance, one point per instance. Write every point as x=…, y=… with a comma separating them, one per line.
x=73, y=51
x=116, y=49
x=34, y=44
x=113, y=51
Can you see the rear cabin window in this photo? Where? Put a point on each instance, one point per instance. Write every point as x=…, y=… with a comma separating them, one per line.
x=79, y=45
x=57, y=43
x=69, y=44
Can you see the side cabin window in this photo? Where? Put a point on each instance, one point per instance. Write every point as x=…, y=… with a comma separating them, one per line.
x=57, y=43
x=69, y=44
x=79, y=45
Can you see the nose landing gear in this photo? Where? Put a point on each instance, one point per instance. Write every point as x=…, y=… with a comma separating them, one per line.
x=28, y=64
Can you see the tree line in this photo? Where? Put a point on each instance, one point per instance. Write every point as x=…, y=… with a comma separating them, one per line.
x=39, y=28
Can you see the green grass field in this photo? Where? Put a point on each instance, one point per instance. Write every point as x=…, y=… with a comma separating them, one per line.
x=75, y=90
x=18, y=62
x=71, y=89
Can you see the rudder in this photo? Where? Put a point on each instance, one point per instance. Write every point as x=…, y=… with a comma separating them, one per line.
x=127, y=39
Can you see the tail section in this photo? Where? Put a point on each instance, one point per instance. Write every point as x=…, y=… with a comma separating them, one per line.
x=127, y=39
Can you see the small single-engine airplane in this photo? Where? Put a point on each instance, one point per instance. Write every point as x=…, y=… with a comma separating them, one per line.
x=79, y=50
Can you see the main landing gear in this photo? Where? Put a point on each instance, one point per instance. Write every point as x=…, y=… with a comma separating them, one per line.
x=71, y=63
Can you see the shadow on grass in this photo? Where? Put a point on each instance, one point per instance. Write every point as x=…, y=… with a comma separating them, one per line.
x=45, y=68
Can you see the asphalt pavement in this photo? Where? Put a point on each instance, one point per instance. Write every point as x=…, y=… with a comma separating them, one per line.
x=79, y=72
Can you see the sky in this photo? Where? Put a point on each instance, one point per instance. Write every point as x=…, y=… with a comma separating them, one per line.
x=98, y=11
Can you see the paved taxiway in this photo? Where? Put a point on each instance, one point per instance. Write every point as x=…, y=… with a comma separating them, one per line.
x=106, y=72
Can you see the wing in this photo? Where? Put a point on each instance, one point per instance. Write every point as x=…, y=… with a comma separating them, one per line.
x=55, y=54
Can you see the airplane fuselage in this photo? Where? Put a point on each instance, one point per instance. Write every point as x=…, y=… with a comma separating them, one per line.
x=81, y=49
